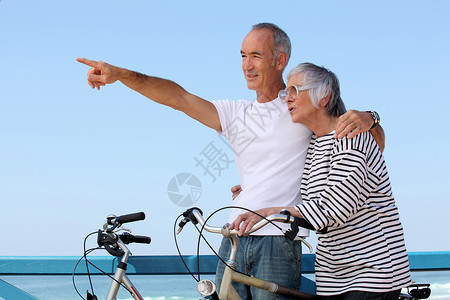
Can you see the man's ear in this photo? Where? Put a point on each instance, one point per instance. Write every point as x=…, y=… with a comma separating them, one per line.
x=281, y=61
x=324, y=101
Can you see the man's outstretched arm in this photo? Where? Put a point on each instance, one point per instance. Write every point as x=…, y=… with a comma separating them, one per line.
x=160, y=90
x=354, y=122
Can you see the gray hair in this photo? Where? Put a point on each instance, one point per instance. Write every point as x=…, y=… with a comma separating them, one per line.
x=282, y=43
x=321, y=82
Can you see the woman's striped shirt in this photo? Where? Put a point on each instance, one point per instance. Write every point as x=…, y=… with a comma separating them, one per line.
x=346, y=188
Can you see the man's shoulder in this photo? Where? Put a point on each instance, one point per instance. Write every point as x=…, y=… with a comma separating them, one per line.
x=238, y=101
x=232, y=104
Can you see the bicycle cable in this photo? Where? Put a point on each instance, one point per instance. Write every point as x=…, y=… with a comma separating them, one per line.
x=179, y=251
x=209, y=245
x=87, y=268
x=74, y=270
x=206, y=241
x=92, y=264
x=85, y=258
x=111, y=277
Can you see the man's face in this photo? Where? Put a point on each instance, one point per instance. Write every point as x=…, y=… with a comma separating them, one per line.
x=258, y=64
x=300, y=107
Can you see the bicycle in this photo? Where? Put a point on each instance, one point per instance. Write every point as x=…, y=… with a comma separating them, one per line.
x=208, y=289
x=115, y=244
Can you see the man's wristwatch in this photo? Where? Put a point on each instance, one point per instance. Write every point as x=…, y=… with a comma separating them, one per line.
x=376, y=118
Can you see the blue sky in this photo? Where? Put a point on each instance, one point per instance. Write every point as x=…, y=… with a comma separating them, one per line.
x=70, y=155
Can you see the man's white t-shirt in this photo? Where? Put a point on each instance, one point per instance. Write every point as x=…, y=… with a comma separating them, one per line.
x=270, y=152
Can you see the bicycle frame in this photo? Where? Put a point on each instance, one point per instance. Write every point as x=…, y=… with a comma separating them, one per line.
x=121, y=277
x=228, y=292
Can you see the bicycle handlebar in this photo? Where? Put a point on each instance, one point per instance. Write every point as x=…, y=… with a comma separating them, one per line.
x=127, y=238
x=114, y=243
x=195, y=215
x=126, y=218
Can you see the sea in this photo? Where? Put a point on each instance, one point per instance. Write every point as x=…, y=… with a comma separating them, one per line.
x=163, y=287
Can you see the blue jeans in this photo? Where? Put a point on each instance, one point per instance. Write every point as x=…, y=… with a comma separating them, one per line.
x=273, y=258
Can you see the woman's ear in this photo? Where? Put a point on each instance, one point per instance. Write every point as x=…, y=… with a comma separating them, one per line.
x=324, y=101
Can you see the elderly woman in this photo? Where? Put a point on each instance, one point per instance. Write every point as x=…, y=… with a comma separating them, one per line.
x=345, y=188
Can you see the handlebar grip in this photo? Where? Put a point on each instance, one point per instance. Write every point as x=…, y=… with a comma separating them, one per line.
x=127, y=238
x=423, y=293
x=299, y=222
x=305, y=224
x=130, y=217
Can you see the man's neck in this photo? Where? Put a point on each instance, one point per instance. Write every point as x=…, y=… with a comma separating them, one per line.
x=270, y=94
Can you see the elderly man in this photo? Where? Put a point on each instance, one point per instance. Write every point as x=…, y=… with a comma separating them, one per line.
x=269, y=149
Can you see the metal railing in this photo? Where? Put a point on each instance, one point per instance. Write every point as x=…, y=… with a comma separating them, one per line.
x=162, y=265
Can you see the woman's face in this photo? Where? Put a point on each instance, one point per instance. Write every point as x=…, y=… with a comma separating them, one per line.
x=300, y=106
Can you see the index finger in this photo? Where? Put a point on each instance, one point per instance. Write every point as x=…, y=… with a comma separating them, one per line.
x=90, y=63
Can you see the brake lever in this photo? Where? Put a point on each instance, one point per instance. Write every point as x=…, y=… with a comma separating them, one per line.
x=188, y=216
x=181, y=225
